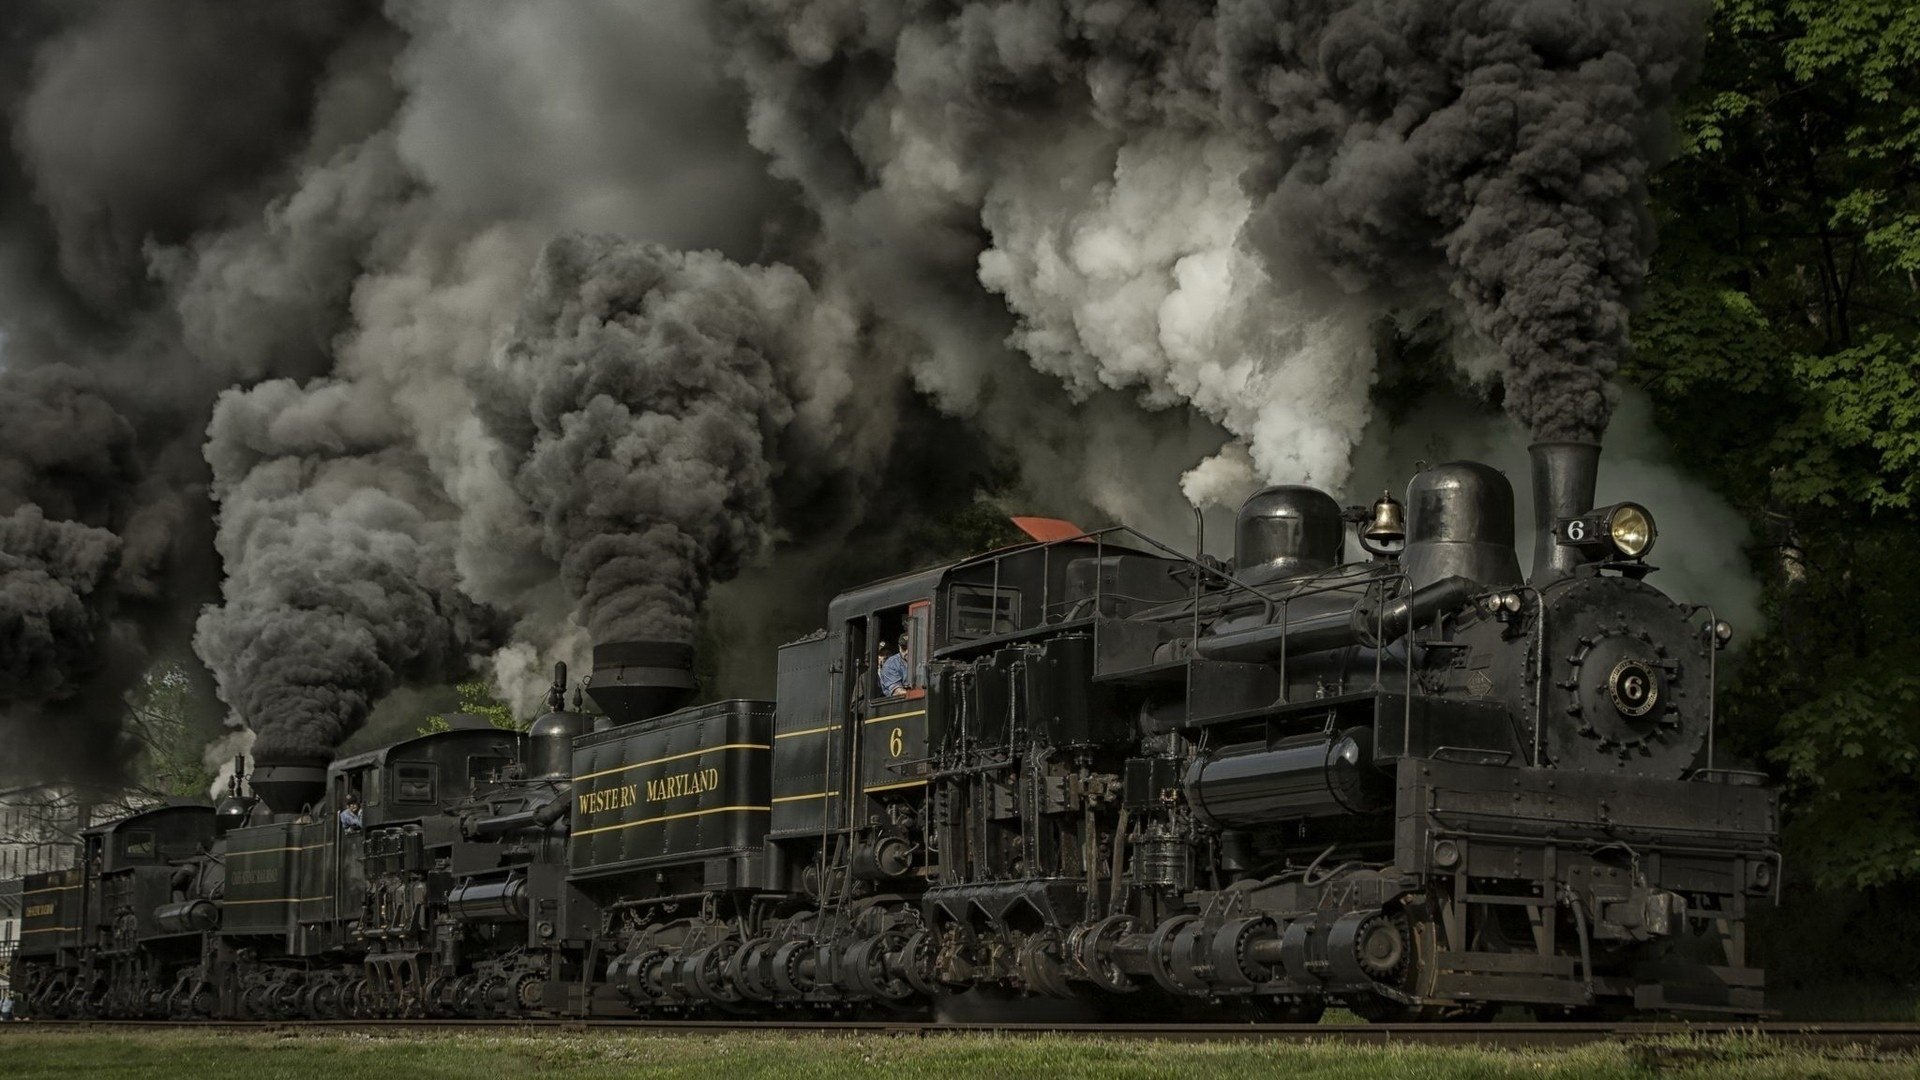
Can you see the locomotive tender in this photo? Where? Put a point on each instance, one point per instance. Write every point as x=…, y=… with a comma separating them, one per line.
x=1419, y=785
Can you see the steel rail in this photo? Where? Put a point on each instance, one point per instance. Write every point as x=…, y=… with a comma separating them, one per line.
x=1879, y=1036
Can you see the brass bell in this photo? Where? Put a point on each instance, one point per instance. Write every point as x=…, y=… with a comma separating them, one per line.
x=1389, y=524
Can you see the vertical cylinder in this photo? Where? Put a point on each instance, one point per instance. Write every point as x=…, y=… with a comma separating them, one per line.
x=1564, y=474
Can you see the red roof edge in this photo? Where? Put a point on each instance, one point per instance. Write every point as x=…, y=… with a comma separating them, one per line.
x=1048, y=530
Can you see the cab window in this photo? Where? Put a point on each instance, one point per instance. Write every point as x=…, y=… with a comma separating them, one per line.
x=978, y=611
x=909, y=626
x=413, y=781
x=362, y=783
x=137, y=845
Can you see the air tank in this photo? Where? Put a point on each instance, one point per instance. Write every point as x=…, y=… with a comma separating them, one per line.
x=1460, y=524
x=1287, y=531
x=491, y=901
x=1316, y=775
x=187, y=916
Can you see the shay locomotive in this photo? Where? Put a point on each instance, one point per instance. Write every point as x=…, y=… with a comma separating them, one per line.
x=1419, y=785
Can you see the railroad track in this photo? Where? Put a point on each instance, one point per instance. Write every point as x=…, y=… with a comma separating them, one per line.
x=1877, y=1036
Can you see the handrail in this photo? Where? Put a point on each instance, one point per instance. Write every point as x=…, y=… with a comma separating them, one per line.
x=1375, y=578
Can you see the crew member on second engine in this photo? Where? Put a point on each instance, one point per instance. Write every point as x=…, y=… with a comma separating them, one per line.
x=350, y=817
x=893, y=673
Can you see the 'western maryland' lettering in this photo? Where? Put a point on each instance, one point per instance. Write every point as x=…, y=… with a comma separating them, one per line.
x=36, y=911
x=686, y=783
x=660, y=789
x=613, y=798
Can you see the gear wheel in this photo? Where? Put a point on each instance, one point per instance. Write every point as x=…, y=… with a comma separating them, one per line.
x=528, y=990
x=1382, y=946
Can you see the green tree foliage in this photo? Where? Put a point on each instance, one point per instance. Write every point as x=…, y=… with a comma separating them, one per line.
x=1780, y=338
x=160, y=714
x=476, y=699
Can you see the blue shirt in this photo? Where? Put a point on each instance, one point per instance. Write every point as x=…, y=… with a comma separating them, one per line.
x=893, y=674
x=349, y=819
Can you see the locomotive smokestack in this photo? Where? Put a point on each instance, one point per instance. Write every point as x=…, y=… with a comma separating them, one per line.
x=638, y=680
x=288, y=785
x=1564, y=474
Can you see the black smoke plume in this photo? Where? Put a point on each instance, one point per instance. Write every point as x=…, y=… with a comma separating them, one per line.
x=338, y=547
x=1222, y=204
x=651, y=403
x=1498, y=146
x=132, y=126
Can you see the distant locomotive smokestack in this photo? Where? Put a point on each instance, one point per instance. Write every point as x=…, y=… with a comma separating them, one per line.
x=638, y=680
x=288, y=785
x=1564, y=474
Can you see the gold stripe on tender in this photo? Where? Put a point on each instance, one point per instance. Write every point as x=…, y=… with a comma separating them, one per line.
x=275, y=850
x=672, y=757
x=50, y=888
x=896, y=716
x=803, y=798
x=670, y=817
x=50, y=930
x=901, y=784
x=807, y=731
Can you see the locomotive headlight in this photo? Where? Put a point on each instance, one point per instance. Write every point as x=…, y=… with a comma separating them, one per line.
x=1630, y=528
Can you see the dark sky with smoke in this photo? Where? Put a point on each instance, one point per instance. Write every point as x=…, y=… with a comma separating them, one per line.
x=1221, y=204
x=424, y=336
x=338, y=548
x=130, y=129
x=1498, y=147
x=650, y=403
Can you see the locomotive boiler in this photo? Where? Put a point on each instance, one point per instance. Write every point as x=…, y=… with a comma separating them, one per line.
x=1420, y=783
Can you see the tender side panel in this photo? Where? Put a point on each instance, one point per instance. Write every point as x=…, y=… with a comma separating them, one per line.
x=52, y=907
x=808, y=743
x=680, y=788
x=312, y=898
x=262, y=880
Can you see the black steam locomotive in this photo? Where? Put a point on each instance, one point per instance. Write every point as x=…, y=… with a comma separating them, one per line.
x=1418, y=785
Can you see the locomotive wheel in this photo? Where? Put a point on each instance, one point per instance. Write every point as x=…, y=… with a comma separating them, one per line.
x=323, y=1000
x=527, y=992
x=922, y=958
x=1040, y=967
x=489, y=996
x=706, y=972
x=437, y=996
x=789, y=970
x=748, y=969
x=872, y=975
x=1170, y=956
x=1232, y=951
x=1403, y=943
x=1383, y=947
x=1092, y=945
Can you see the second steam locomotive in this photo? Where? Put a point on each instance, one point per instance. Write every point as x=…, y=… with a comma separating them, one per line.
x=1419, y=785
